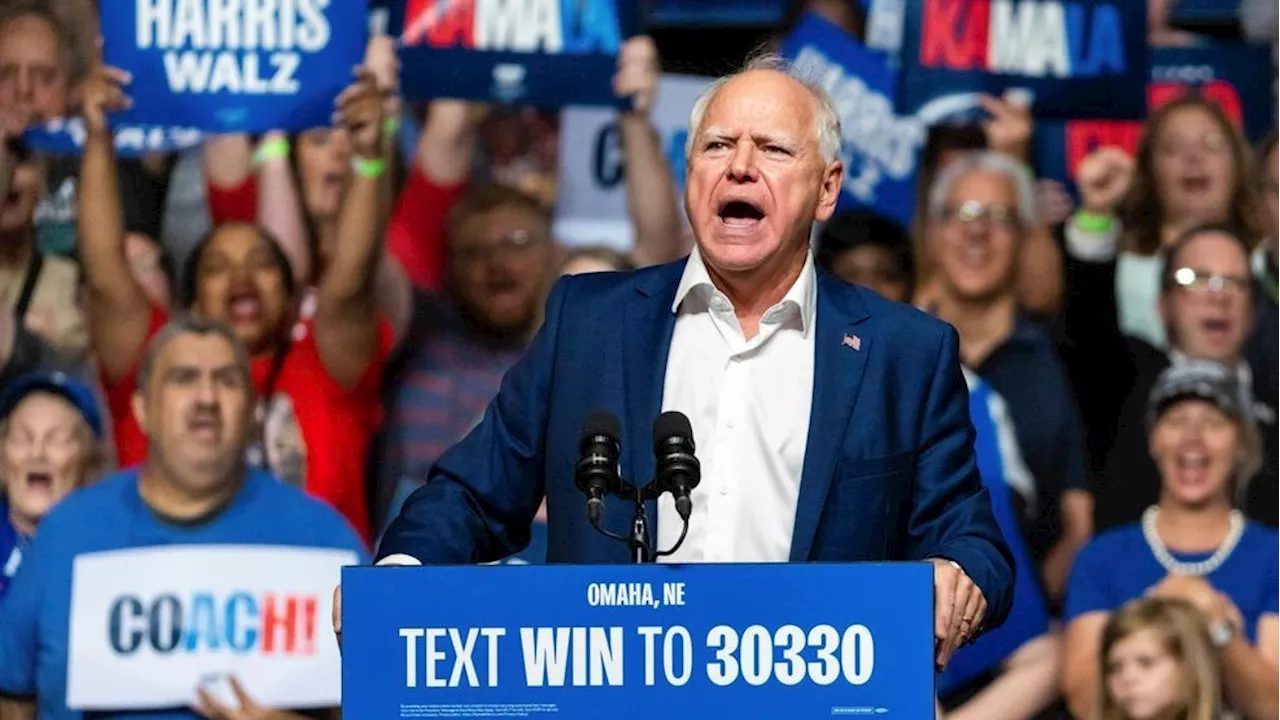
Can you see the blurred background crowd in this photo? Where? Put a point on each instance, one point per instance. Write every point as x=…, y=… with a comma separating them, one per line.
x=1119, y=337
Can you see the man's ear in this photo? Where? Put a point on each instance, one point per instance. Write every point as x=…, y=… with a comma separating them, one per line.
x=139, y=406
x=832, y=178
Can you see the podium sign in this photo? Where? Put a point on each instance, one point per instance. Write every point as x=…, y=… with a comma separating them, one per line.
x=625, y=641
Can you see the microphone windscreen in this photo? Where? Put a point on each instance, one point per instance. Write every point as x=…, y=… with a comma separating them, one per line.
x=670, y=424
x=602, y=422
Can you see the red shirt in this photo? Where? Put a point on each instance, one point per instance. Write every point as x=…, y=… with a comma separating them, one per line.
x=317, y=434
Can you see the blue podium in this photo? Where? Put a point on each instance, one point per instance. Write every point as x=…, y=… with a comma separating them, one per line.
x=769, y=641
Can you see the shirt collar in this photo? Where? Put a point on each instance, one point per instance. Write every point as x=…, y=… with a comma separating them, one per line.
x=803, y=293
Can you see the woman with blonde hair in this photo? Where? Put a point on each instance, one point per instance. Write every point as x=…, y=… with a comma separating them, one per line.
x=1158, y=661
x=50, y=444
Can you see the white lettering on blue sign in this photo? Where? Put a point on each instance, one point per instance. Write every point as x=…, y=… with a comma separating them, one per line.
x=620, y=595
x=1028, y=38
x=596, y=656
x=451, y=657
x=213, y=45
x=434, y=653
x=876, y=141
x=518, y=25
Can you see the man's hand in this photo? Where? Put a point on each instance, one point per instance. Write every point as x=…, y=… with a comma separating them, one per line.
x=1104, y=178
x=638, y=73
x=1009, y=129
x=210, y=708
x=102, y=93
x=360, y=110
x=337, y=613
x=959, y=608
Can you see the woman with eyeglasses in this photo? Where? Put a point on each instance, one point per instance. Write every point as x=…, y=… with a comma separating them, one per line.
x=1192, y=544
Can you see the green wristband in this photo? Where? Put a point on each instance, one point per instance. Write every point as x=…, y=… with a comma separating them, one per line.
x=369, y=168
x=1094, y=223
x=271, y=149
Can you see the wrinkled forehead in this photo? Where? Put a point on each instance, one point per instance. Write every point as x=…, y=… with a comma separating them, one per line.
x=206, y=352
x=762, y=101
x=1213, y=252
x=500, y=222
x=29, y=39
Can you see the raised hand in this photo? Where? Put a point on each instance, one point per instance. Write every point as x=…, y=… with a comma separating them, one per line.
x=1104, y=179
x=102, y=92
x=1009, y=128
x=638, y=73
x=360, y=110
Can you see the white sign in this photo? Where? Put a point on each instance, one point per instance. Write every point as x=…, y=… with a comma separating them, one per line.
x=150, y=625
x=593, y=196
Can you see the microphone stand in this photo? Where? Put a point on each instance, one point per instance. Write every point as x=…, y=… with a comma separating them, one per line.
x=638, y=543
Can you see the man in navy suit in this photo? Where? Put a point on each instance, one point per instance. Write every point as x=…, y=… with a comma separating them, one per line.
x=832, y=425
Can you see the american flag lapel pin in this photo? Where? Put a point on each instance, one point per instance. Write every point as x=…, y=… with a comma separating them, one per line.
x=853, y=341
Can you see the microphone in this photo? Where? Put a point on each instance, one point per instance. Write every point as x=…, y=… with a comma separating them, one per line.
x=678, y=471
x=597, y=470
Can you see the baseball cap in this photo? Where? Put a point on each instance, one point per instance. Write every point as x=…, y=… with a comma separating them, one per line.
x=1199, y=379
x=59, y=383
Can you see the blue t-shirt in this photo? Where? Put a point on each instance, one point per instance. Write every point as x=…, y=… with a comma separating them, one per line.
x=1118, y=566
x=111, y=515
x=12, y=545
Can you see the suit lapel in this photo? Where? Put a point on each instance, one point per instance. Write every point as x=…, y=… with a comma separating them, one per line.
x=840, y=355
x=650, y=324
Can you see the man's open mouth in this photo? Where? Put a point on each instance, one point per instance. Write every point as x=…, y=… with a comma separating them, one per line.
x=740, y=213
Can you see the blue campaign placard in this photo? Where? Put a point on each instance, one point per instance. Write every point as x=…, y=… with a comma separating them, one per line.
x=880, y=149
x=685, y=641
x=540, y=53
x=215, y=66
x=66, y=136
x=1071, y=58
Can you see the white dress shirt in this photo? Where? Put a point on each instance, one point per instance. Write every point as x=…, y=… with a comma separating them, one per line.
x=749, y=403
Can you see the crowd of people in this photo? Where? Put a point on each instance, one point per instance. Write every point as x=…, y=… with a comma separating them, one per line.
x=333, y=309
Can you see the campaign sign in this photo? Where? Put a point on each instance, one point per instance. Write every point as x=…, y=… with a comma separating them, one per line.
x=151, y=625
x=592, y=204
x=1073, y=58
x=540, y=53
x=1235, y=76
x=66, y=136
x=880, y=150
x=638, y=641
x=224, y=68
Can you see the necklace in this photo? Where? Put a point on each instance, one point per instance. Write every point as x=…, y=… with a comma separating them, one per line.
x=1177, y=567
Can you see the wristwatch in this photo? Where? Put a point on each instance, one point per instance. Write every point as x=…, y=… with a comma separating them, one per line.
x=1221, y=632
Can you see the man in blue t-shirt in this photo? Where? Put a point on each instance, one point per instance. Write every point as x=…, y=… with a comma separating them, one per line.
x=195, y=405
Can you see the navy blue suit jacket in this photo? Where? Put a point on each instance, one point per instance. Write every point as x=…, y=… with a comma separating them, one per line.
x=889, y=468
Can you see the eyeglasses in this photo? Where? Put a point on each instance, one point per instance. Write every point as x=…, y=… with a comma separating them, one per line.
x=504, y=246
x=1199, y=281
x=972, y=211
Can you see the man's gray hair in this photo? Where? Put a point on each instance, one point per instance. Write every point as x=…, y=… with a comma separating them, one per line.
x=826, y=119
x=985, y=161
x=188, y=323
